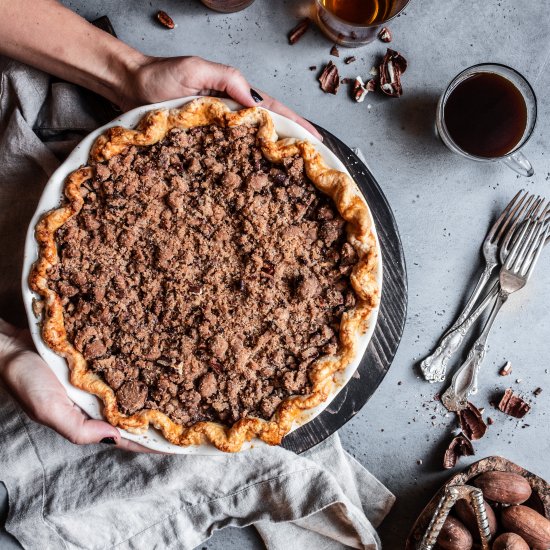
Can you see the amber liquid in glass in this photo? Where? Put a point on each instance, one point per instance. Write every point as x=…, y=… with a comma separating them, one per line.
x=486, y=115
x=360, y=12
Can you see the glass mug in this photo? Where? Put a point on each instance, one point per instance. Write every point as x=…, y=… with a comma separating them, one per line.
x=507, y=117
x=354, y=23
x=227, y=6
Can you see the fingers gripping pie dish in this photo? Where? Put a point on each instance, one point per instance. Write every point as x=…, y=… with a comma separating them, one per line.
x=204, y=277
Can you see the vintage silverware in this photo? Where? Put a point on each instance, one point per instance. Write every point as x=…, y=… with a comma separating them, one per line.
x=514, y=275
x=448, y=500
x=434, y=366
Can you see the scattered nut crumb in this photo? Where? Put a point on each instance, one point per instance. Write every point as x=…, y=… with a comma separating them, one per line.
x=165, y=20
x=519, y=380
x=334, y=51
x=349, y=59
x=373, y=71
x=490, y=421
x=298, y=31
x=312, y=67
x=419, y=462
x=385, y=34
x=506, y=369
x=537, y=392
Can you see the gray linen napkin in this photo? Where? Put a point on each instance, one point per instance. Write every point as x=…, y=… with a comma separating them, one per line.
x=67, y=496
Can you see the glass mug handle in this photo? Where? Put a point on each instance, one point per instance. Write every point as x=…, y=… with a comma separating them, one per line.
x=518, y=163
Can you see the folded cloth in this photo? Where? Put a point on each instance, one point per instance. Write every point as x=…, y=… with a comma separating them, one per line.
x=67, y=496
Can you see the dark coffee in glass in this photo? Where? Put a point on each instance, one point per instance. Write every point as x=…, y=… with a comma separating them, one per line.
x=486, y=115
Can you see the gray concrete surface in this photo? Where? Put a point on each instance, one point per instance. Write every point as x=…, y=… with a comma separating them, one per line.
x=443, y=205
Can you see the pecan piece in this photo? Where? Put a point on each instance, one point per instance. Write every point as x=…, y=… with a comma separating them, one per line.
x=350, y=59
x=165, y=20
x=334, y=51
x=392, y=67
x=471, y=422
x=385, y=34
x=330, y=79
x=359, y=90
x=459, y=446
x=506, y=369
x=298, y=31
x=513, y=405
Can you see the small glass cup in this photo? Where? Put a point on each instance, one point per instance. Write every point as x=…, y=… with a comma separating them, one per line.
x=227, y=6
x=349, y=34
x=515, y=159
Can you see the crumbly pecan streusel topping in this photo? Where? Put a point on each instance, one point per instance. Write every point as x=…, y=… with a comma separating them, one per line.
x=202, y=280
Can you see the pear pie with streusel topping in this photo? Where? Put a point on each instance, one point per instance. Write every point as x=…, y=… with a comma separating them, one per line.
x=204, y=277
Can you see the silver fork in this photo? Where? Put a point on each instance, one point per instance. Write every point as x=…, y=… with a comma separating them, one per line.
x=514, y=275
x=434, y=366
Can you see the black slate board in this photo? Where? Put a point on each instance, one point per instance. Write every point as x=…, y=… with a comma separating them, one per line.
x=391, y=318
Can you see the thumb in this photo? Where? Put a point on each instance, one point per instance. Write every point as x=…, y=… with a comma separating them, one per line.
x=72, y=423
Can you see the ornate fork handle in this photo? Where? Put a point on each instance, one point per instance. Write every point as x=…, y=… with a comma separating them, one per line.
x=464, y=382
x=435, y=365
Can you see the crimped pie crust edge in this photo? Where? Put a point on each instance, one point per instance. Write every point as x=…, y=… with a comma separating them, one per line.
x=337, y=185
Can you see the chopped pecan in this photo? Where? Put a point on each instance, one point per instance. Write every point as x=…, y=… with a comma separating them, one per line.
x=513, y=405
x=312, y=67
x=298, y=31
x=506, y=369
x=165, y=20
x=330, y=79
x=385, y=34
x=359, y=90
x=459, y=446
x=334, y=51
x=471, y=422
x=392, y=67
x=350, y=59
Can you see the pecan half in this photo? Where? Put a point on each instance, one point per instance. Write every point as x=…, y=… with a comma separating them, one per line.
x=471, y=422
x=165, y=20
x=392, y=67
x=298, y=31
x=459, y=446
x=385, y=34
x=330, y=79
x=513, y=405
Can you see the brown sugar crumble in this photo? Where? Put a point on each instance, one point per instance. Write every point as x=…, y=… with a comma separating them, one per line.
x=202, y=280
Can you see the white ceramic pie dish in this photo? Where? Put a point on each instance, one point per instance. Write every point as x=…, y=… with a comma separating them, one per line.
x=51, y=198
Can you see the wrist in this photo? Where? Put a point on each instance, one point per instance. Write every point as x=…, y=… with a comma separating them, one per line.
x=118, y=81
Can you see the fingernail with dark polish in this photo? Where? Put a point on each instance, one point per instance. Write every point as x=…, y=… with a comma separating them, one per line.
x=108, y=440
x=256, y=96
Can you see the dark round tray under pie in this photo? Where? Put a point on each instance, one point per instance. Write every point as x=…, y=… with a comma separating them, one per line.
x=391, y=319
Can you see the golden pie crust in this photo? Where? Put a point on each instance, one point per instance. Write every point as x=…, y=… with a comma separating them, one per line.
x=337, y=185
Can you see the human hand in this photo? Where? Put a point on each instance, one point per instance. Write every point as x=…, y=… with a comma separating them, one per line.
x=34, y=385
x=156, y=79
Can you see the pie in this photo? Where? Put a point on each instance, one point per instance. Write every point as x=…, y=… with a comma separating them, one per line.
x=204, y=277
